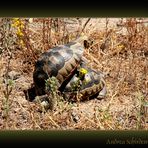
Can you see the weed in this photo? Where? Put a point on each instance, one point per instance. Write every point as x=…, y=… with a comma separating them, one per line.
x=51, y=87
x=119, y=50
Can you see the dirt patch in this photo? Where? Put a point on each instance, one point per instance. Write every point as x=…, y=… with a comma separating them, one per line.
x=123, y=60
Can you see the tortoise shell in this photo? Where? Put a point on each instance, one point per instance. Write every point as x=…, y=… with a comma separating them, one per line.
x=92, y=85
x=60, y=62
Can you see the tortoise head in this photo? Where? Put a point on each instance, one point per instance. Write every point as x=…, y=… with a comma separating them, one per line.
x=85, y=41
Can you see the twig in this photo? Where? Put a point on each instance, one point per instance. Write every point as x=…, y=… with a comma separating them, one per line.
x=98, y=125
x=53, y=122
x=96, y=116
x=94, y=59
x=59, y=111
x=109, y=125
x=114, y=93
x=33, y=119
x=85, y=24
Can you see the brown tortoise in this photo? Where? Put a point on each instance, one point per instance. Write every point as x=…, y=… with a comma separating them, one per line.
x=85, y=84
x=61, y=62
x=64, y=63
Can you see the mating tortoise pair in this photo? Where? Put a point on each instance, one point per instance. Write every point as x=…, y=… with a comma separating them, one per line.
x=75, y=79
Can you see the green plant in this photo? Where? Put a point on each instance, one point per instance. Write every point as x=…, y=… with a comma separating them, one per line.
x=140, y=111
x=7, y=44
x=51, y=87
x=7, y=92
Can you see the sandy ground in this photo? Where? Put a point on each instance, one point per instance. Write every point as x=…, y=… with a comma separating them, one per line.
x=118, y=110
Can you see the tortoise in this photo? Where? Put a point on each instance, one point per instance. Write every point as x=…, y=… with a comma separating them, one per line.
x=86, y=84
x=61, y=62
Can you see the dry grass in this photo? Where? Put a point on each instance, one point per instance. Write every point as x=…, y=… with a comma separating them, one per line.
x=120, y=50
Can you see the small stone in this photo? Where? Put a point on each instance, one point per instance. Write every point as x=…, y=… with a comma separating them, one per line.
x=13, y=75
x=75, y=117
x=45, y=104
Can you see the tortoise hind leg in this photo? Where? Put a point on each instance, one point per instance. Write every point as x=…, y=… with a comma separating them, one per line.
x=102, y=93
x=30, y=94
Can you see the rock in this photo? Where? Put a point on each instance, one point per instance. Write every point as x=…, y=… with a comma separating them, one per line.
x=75, y=116
x=13, y=75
